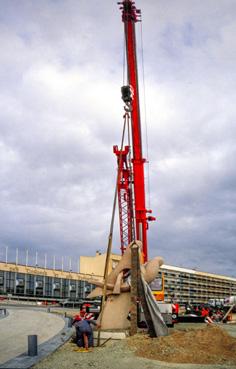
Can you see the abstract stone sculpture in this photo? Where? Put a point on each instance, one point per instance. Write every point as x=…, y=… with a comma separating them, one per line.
x=117, y=305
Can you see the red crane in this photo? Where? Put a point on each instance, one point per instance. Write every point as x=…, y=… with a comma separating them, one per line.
x=131, y=184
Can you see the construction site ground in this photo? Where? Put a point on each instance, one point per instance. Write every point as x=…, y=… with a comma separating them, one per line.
x=189, y=346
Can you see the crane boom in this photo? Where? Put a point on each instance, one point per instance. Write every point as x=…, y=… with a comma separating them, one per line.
x=130, y=15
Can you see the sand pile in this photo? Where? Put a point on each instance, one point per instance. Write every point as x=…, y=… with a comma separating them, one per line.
x=209, y=345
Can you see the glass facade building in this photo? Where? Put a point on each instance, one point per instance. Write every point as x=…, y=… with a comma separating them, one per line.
x=43, y=285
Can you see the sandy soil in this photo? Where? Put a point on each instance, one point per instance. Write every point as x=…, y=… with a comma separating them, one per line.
x=208, y=345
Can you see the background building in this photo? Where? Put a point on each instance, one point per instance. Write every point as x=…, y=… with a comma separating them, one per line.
x=96, y=264
x=183, y=285
x=188, y=285
x=42, y=283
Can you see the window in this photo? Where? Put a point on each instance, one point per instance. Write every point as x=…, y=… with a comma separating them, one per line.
x=48, y=286
x=39, y=282
x=30, y=284
x=20, y=283
x=10, y=282
x=156, y=285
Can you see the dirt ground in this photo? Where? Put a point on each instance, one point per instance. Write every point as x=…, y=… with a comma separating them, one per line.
x=189, y=346
x=208, y=345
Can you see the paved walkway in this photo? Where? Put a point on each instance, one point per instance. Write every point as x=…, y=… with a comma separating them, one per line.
x=15, y=328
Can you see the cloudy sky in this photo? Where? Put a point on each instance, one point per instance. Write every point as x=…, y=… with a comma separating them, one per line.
x=61, y=69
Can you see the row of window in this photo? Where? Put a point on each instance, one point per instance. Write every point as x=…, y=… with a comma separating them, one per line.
x=35, y=285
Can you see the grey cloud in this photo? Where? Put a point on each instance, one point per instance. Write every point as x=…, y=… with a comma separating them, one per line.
x=61, y=112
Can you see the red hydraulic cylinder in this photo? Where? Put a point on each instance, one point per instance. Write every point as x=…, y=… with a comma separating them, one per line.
x=130, y=15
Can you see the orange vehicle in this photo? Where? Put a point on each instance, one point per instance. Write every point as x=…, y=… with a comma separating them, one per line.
x=169, y=311
x=158, y=288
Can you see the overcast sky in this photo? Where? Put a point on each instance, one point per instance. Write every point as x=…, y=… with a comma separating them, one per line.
x=61, y=69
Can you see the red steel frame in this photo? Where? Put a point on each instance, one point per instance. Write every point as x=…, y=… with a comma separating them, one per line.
x=130, y=16
x=124, y=197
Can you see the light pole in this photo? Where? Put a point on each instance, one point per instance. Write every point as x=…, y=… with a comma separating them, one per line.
x=16, y=255
x=6, y=253
x=27, y=257
x=36, y=259
x=45, y=261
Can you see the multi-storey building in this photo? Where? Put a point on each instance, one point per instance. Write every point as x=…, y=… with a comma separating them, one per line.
x=193, y=286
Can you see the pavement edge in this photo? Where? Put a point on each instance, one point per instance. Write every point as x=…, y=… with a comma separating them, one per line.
x=24, y=361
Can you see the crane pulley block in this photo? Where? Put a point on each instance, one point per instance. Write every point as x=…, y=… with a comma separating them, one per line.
x=127, y=93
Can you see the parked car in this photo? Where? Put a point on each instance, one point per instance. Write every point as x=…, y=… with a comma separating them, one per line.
x=93, y=306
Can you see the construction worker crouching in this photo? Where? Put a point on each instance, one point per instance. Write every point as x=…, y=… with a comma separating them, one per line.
x=84, y=332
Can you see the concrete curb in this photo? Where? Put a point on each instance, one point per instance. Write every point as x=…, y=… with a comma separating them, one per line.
x=24, y=361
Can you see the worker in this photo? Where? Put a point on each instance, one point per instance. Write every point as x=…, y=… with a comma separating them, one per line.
x=85, y=310
x=204, y=312
x=209, y=317
x=84, y=332
x=175, y=312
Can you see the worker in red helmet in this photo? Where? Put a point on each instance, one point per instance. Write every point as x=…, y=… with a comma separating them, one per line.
x=204, y=312
x=84, y=333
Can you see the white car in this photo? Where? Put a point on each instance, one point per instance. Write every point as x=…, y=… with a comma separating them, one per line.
x=231, y=300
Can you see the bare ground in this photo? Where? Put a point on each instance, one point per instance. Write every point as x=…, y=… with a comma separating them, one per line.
x=207, y=347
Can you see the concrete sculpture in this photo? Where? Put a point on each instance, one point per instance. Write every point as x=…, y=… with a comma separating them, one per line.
x=117, y=305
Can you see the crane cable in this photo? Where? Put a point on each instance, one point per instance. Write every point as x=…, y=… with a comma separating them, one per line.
x=124, y=61
x=109, y=245
x=144, y=104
